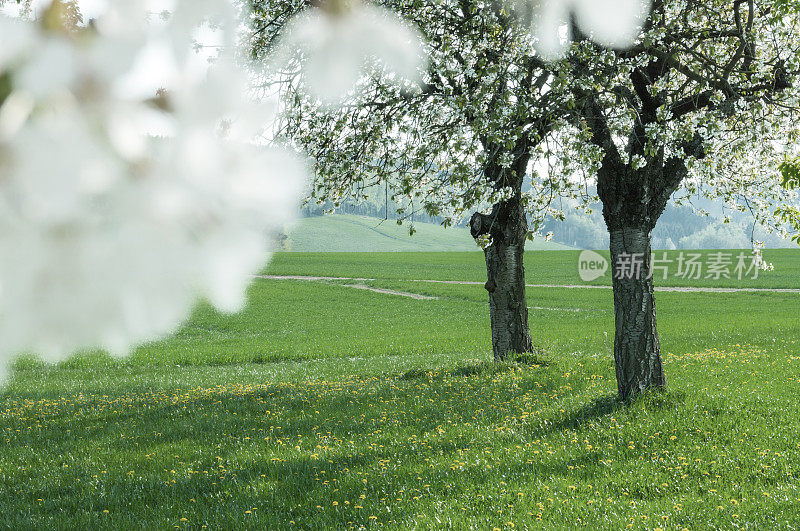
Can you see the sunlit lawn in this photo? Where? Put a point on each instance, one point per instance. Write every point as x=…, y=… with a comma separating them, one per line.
x=369, y=410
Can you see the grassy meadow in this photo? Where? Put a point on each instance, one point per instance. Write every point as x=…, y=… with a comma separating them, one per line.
x=323, y=406
x=549, y=268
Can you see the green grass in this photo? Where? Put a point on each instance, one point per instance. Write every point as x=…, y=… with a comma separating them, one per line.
x=552, y=267
x=348, y=233
x=286, y=414
x=291, y=320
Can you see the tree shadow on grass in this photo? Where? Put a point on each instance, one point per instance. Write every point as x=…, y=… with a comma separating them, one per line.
x=536, y=358
x=529, y=360
x=370, y=438
x=608, y=405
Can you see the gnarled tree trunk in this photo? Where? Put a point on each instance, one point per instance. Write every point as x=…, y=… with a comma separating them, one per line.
x=637, y=353
x=508, y=228
x=634, y=197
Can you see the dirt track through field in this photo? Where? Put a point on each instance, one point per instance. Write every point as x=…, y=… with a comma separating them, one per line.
x=684, y=289
x=392, y=292
x=416, y=296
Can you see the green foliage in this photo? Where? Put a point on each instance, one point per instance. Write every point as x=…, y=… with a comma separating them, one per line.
x=784, y=7
x=790, y=172
x=409, y=435
x=791, y=216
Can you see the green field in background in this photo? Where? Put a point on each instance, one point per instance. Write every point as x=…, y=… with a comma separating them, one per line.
x=349, y=233
x=549, y=267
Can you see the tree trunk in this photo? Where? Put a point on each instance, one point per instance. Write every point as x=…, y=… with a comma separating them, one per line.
x=508, y=307
x=637, y=353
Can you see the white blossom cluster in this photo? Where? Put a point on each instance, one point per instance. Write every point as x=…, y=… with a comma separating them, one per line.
x=117, y=209
x=338, y=42
x=758, y=257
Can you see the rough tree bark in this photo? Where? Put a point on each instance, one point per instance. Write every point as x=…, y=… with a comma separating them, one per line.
x=632, y=203
x=637, y=352
x=633, y=200
x=508, y=308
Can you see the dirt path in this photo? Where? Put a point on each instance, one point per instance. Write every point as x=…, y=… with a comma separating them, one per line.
x=686, y=289
x=303, y=277
x=416, y=296
x=392, y=292
x=683, y=289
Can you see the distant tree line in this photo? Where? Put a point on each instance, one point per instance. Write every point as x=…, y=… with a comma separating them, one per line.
x=374, y=203
x=680, y=227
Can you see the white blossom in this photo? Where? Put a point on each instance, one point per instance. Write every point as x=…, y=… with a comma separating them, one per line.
x=758, y=257
x=614, y=23
x=337, y=44
x=109, y=233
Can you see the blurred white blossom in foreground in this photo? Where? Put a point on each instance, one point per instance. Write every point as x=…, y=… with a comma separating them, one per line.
x=337, y=40
x=108, y=234
x=615, y=23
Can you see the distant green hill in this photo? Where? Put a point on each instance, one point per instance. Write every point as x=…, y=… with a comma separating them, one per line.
x=348, y=233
